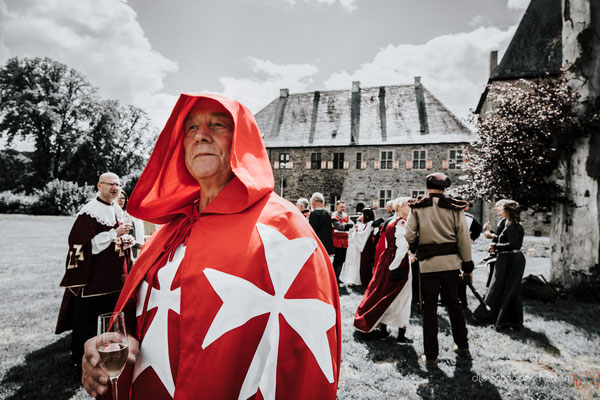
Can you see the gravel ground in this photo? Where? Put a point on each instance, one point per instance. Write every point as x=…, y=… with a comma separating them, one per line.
x=560, y=340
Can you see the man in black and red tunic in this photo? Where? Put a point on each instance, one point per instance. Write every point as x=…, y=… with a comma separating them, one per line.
x=94, y=266
x=341, y=225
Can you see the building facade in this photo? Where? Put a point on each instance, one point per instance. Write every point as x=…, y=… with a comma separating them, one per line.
x=364, y=145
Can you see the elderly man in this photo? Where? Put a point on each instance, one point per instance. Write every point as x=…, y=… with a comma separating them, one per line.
x=302, y=205
x=94, y=265
x=320, y=220
x=233, y=295
x=438, y=229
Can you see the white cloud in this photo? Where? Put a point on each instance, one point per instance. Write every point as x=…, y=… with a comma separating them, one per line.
x=102, y=39
x=453, y=67
x=518, y=4
x=347, y=5
x=257, y=92
x=479, y=20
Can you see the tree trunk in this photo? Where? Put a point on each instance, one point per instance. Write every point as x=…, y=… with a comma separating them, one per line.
x=575, y=231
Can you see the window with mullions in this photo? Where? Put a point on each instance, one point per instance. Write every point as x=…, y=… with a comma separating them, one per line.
x=338, y=160
x=417, y=193
x=387, y=160
x=419, y=159
x=284, y=160
x=455, y=159
x=315, y=161
x=385, y=195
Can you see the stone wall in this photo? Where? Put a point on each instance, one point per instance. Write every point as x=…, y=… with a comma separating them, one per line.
x=362, y=186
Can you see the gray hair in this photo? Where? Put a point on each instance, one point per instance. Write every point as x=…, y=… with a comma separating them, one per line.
x=317, y=197
x=302, y=202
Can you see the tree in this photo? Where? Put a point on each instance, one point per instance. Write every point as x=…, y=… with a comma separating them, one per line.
x=120, y=139
x=531, y=127
x=49, y=102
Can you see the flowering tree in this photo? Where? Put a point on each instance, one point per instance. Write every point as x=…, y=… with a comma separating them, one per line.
x=522, y=139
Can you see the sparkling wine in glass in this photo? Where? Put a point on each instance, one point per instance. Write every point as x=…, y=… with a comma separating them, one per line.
x=112, y=346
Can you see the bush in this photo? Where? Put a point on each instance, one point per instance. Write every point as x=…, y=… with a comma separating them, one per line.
x=16, y=203
x=62, y=198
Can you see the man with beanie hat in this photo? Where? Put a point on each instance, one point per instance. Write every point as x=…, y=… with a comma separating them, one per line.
x=437, y=229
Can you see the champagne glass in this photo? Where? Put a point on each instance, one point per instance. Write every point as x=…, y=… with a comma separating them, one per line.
x=112, y=346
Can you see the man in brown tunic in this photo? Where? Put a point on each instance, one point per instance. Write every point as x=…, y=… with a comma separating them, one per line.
x=437, y=228
x=94, y=268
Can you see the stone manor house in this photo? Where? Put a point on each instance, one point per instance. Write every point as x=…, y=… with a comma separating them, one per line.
x=364, y=145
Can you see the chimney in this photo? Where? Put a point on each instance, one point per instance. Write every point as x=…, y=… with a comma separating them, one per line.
x=420, y=97
x=355, y=113
x=493, y=61
x=279, y=112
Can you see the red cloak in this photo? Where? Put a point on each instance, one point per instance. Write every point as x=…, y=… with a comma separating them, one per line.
x=258, y=313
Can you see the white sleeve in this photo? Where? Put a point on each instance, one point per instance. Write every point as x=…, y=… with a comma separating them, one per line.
x=364, y=235
x=101, y=241
x=139, y=231
x=402, y=247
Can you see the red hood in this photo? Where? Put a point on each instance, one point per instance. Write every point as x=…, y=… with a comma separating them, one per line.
x=166, y=188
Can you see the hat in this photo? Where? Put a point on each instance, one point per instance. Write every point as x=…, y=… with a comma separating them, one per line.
x=438, y=180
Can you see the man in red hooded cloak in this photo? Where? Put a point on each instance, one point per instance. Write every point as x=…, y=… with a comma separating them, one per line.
x=233, y=297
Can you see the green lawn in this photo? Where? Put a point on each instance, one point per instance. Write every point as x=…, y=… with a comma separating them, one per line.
x=559, y=340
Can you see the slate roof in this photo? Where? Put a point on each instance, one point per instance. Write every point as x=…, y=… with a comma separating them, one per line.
x=326, y=119
x=536, y=48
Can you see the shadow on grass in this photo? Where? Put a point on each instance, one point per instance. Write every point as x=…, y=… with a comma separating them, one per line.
x=580, y=315
x=538, y=339
x=463, y=383
x=348, y=289
x=46, y=374
x=388, y=350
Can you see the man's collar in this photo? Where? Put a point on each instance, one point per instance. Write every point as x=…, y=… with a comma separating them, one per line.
x=102, y=201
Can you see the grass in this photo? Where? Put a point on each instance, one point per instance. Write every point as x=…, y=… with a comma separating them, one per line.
x=559, y=339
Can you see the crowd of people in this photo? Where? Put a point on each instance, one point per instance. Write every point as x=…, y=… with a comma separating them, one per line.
x=414, y=254
x=202, y=297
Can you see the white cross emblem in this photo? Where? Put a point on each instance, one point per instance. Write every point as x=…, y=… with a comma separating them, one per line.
x=242, y=301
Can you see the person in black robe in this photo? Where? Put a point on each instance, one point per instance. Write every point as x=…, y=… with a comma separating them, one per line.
x=504, y=295
x=320, y=220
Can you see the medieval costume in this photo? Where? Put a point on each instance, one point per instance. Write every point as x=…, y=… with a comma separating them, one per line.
x=94, y=269
x=504, y=295
x=237, y=300
x=341, y=226
x=387, y=301
x=352, y=271
x=438, y=229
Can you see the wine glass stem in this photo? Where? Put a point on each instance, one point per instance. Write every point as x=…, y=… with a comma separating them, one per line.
x=113, y=383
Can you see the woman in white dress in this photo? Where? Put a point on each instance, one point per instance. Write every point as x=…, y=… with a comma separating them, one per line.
x=359, y=237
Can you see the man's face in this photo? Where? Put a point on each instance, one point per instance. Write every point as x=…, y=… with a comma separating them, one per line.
x=389, y=208
x=341, y=208
x=109, y=188
x=208, y=132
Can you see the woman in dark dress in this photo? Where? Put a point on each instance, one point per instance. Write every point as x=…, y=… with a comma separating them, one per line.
x=367, y=255
x=504, y=295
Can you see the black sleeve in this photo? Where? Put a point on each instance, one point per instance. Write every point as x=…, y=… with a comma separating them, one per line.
x=499, y=230
x=475, y=230
x=512, y=239
x=313, y=220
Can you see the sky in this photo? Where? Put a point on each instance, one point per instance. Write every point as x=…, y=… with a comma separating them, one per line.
x=147, y=52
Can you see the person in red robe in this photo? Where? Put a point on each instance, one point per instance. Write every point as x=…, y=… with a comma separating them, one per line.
x=388, y=296
x=234, y=296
